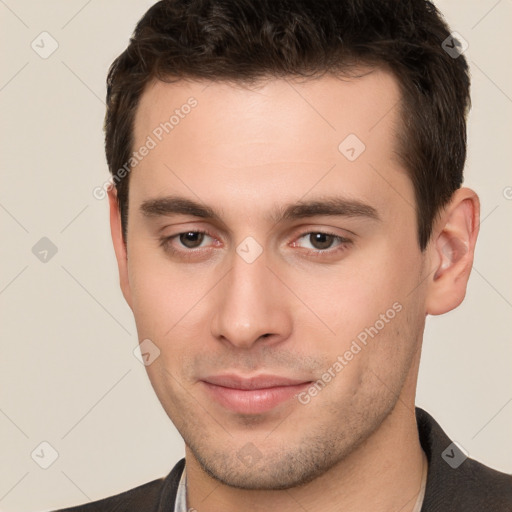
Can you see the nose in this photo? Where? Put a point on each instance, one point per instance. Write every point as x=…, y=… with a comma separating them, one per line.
x=252, y=305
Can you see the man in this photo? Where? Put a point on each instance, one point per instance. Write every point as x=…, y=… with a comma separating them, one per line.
x=287, y=210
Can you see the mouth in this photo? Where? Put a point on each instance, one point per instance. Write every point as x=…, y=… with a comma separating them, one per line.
x=253, y=395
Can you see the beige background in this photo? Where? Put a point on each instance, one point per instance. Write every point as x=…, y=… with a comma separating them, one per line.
x=68, y=375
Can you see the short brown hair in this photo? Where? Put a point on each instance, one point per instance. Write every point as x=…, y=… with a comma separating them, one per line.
x=246, y=40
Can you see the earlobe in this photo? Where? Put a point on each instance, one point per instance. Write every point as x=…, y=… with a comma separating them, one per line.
x=452, y=247
x=120, y=247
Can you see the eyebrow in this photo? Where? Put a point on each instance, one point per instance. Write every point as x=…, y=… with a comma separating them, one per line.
x=330, y=206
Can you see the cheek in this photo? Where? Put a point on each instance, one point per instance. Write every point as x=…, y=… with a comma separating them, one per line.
x=164, y=293
x=153, y=300
x=367, y=303
x=354, y=295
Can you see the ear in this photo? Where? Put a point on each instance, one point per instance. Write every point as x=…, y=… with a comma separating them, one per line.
x=120, y=247
x=452, y=249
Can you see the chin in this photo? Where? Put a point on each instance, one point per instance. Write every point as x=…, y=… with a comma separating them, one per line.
x=276, y=471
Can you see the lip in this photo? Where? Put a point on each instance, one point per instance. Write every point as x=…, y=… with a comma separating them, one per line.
x=252, y=395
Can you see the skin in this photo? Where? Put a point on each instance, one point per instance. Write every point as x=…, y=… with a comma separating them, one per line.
x=242, y=151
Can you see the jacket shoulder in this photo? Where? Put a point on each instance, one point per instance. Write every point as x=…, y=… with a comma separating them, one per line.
x=486, y=486
x=144, y=497
x=465, y=485
x=156, y=496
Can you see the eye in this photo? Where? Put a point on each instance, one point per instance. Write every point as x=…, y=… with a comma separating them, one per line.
x=190, y=240
x=322, y=242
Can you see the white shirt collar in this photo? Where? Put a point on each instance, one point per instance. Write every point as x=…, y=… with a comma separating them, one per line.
x=180, y=504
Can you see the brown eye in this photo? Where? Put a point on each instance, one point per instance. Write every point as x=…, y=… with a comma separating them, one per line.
x=188, y=244
x=318, y=244
x=321, y=241
x=191, y=239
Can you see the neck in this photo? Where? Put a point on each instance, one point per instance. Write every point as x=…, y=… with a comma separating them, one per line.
x=384, y=473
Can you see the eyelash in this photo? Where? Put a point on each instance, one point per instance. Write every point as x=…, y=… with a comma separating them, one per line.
x=190, y=253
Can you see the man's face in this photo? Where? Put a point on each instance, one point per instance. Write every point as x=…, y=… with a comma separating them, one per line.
x=285, y=341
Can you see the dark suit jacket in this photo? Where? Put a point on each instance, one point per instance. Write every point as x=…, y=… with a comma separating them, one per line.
x=452, y=485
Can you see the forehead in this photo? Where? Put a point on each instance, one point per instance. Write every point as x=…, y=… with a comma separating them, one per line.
x=331, y=103
x=281, y=137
